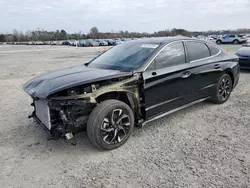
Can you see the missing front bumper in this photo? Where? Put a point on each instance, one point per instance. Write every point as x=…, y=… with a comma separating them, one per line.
x=37, y=120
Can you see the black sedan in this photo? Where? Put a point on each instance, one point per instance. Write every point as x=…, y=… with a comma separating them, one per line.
x=244, y=56
x=131, y=84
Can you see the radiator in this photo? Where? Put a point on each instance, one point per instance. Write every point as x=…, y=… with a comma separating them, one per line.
x=43, y=112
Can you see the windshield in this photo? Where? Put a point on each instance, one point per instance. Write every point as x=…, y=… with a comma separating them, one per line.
x=124, y=57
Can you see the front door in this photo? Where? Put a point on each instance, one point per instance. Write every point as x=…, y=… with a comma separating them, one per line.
x=228, y=38
x=167, y=80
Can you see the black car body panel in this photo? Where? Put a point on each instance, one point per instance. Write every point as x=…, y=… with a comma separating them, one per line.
x=244, y=57
x=47, y=84
x=173, y=90
x=148, y=91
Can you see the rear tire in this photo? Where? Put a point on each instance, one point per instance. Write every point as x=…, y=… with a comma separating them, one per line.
x=236, y=42
x=223, y=89
x=110, y=124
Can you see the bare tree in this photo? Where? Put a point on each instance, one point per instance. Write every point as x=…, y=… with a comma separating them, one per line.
x=94, y=32
x=15, y=35
x=43, y=35
x=63, y=35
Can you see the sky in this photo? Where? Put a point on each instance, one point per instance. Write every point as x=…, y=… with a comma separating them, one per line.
x=115, y=15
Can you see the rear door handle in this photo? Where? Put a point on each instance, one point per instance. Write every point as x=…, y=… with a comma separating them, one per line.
x=217, y=66
x=186, y=74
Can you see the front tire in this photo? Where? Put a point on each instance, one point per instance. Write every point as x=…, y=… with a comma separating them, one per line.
x=110, y=124
x=218, y=42
x=223, y=89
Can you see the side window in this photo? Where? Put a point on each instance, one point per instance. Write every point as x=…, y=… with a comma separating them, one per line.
x=173, y=54
x=213, y=50
x=232, y=36
x=197, y=50
x=151, y=67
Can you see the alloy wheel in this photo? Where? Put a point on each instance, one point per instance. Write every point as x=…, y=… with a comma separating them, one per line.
x=225, y=88
x=115, y=127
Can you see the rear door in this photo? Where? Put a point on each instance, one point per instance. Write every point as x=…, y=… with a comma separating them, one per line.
x=231, y=38
x=204, y=67
x=228, y=38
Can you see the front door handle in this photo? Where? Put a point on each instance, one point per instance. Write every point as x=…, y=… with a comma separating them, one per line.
x=186, y=74
x=154, y=73
x=217, y=66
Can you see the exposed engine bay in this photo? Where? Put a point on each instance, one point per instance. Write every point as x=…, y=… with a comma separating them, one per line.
x=65, y=113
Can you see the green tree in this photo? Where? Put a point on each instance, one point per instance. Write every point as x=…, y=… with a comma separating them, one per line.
x=2, y=38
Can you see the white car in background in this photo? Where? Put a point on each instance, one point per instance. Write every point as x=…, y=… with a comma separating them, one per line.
x=74, y=43
x=231, y=39
x=248, y=38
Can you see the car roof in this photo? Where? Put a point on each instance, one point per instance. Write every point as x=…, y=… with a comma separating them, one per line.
x=161, y=40
x=164, y=40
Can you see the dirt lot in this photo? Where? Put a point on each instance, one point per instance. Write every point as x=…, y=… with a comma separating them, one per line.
x=206, y=145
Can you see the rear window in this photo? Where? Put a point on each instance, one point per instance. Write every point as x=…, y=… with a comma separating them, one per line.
x=213, y=50
x=197, y=50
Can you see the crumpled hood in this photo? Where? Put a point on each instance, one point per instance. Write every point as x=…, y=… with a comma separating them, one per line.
x=50, y=83
x=244, y=51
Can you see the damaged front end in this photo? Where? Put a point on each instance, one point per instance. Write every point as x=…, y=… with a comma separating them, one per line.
x=65, y=113
x=62, y=118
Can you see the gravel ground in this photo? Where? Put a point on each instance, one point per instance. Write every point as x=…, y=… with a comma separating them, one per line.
x=205, y=145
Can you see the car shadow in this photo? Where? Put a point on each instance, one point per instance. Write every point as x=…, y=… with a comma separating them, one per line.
x=31, y=139
x=169, y=122
x=245, y=70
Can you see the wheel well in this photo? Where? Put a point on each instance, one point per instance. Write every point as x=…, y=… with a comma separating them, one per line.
x=121, y=96
x=236, y=40
x=231, y=75
x=124, y=97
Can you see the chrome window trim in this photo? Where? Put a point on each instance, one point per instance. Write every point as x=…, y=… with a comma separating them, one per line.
x=204, y=42
x=160, y=52
x=186, y=53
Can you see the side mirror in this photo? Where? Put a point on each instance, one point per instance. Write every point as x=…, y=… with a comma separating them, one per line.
x=86, y=64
